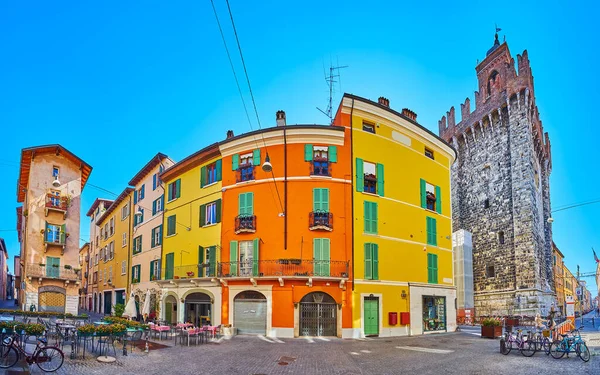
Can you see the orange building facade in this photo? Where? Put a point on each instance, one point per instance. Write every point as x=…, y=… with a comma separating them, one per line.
x=286, y=235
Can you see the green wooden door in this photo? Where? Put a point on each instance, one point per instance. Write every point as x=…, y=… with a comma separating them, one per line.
x=169, y=265
x=168, y=312
x=371, y=316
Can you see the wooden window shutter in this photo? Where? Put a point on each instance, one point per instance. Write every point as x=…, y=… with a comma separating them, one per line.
x=203, y=176
x=332, y=154
x=438, y=199
x=235, y=162
x=317, y=244
x=423, y=194
x=202, y=214
x=256, y=157
x=250, y=203
x=233, y=258
x=153, y=242
x=154, y=181
x=316, y=199
x=212, y=261
x=178, y=188
x=218, y=210
x=360, y=175
x=242, y=204
x=433, y=232
x=380, y=179
x=135, y=197
x=375, y=260
x=255, y=254
x=368, y=262
x=169, y=194
x=325, y=256
x=219, y=168
x=325, y=199
x=308, y=152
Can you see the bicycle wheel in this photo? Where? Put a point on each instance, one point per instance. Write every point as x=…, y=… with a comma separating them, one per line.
x=49, y=358
x=528, y=348
x=8, y=356
x=557, y=349
x=583, y=352
x=504, y=346
x=546, y=345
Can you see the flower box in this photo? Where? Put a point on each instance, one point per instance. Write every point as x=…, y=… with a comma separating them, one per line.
x=491, y=331
x=229, y=331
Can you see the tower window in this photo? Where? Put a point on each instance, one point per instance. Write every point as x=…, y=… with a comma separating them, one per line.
x=501, y=237
x=486, y=203
x=490, y=80
x=490, y=271
x=55, y=172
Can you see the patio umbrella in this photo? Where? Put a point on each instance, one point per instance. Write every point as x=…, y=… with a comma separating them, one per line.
x=146, y=308
x=130, y=310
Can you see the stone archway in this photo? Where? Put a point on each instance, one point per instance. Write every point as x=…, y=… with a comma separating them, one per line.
x=318, y=315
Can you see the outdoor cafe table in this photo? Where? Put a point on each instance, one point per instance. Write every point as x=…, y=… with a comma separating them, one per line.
x=211, y=329
x=6, y=319
x=100, y=323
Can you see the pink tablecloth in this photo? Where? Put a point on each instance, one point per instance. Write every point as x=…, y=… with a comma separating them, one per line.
x=184, y=325
x=211, y=329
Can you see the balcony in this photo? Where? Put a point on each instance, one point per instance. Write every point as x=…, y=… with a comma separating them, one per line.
x=320, y=220
x=56, y=203
x=245, y=224
x=294, y=268
x=51, y=272
x=55, y=238
x=320, y=167
x=192, y=271
x=245, y=172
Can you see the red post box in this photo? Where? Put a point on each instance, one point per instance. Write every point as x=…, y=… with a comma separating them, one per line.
x=393, y=318
x=404, y=318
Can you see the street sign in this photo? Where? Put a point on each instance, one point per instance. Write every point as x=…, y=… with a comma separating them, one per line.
x=578, y=291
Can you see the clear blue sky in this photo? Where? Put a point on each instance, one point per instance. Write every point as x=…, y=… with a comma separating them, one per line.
x=116, y=82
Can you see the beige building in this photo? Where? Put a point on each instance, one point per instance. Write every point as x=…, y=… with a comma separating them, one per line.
x=50, y=183
x=84, y=256
x=148, y=199
x=96, y=210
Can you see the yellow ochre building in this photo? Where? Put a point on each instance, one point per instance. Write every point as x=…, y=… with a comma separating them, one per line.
x=403, y=262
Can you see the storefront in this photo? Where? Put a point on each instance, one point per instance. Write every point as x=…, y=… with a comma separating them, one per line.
x=434, y=313
x=198, y=309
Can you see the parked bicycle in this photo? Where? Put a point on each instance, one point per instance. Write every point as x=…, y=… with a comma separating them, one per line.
x=541, y=341
x=523, y=343
x=47, y=358
x=570, y=344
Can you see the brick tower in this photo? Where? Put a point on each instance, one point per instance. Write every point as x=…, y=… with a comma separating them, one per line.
x=501, y=190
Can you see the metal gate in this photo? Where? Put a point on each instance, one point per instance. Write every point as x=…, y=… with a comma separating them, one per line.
x=51, y=301
x=318, y=315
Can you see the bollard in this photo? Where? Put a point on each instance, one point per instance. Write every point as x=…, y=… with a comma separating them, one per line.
x=125, y=346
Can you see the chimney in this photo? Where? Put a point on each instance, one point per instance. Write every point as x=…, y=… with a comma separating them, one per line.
x=410, y=114
x=384, y=101
x=229, y=134
x=280, y=116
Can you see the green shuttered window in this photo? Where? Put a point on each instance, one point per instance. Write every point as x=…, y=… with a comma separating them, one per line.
x=233, y=258
x=174, y=190
x=332, y=154
x=432, y=268
x=431, y=231
x=246, y=204
x=438, y=196
x=171, y=222
x=169, y=265
x=256, y=157
x=321, y=199
x=308, y=152
x=370, y=215
x=371, y=261
x=235, y=162
x=255, y=252
x=360, y=175
x=321, y=255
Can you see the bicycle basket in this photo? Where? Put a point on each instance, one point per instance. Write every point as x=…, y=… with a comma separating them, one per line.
x=546, y=333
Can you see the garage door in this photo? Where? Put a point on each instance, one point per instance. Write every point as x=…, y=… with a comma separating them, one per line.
x=250, y=313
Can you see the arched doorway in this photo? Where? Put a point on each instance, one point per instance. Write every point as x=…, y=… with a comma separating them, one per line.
x=318, y=315
x=250, y=312
x=170, y=310
x=51, y=298
x=198, y=309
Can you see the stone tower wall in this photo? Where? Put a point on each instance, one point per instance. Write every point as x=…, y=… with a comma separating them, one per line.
x=501, y=187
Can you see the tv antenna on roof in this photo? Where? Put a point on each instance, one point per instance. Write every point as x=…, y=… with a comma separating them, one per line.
x=334, y=72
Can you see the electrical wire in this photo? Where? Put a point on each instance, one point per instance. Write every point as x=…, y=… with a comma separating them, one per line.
x=575, y=205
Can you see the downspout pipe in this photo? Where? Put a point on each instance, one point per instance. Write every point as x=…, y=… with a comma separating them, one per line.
x=285, y=190
x=352, y=187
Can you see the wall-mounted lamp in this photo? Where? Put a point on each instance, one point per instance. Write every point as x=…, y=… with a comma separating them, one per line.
x=212, y=300
x=339, y=306
x=403, y=295
x=182, y=300
x=295, y=305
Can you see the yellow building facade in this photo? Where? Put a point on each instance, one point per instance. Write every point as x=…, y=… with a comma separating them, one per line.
x=403, y=262
x=191, y=247
x=570, y=283
x=114, y=252
x=559, y=278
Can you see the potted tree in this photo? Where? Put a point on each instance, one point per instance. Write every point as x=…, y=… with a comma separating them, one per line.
x=491, y=328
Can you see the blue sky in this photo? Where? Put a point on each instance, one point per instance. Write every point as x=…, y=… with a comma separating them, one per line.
x=116, y=82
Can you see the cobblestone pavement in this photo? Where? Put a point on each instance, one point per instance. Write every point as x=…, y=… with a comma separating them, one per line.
x=452, y=353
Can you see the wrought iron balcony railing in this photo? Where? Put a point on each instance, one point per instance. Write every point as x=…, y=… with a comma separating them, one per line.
x=56, y=202
x=245, y=172
x=245, y=224
x=51, y=272
x=191, y=271
x=285, y=268
x=320, y=167
x=320, y=220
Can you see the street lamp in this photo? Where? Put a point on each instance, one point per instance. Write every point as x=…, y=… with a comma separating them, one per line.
x=267, y=167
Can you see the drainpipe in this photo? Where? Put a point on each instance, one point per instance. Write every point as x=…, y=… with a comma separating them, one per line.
x=285, y=186
x=128, y=271
x=352, y=188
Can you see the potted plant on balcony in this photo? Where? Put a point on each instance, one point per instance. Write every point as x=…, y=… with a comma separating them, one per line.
x=68, y=267
x=491, y=328
x=55, y=265
x=153, y=278
x=42, y=264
